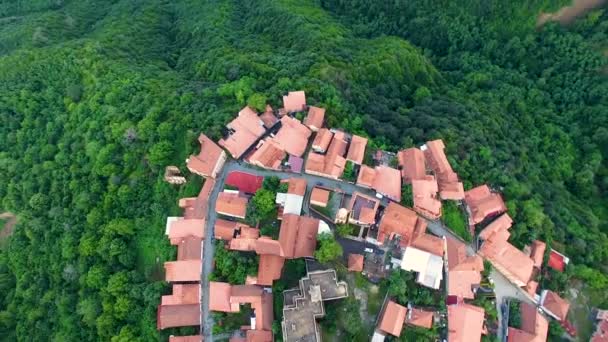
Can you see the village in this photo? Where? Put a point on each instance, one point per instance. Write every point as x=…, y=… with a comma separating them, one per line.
x=342, y=217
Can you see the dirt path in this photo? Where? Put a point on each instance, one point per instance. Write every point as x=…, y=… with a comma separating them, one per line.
x=567, y=14
x=7, y=230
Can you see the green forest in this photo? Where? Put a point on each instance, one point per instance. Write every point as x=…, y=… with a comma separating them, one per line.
x=96, y=97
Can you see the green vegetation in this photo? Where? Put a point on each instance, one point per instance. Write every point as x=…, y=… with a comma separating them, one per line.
x=233, y=266
x=328, y=248
x=347, y=229
x=2, y=224
x=349, y=172
x=97, y=97
x=407, y=196
x=514, y=314
x=454, y=218
x=403, y=288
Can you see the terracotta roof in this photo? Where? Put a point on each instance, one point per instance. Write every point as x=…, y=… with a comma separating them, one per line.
x=332, y=164
x=183, y=294
x=322, y=140
x=315, y=117
x=534, y=326
x=259, y=336
x=552, y=302
x=231, y=204
x=412, y=164
x=356, y=150
x=451, y=190
x=538, y=253
x=292, y=136
x=197, y=208
x=557, y=261
x=219, y=297
x=366, y=176
x=268, y=117
x=269, y=269
x=298, y=236
x=420, y=318
x=171, y=316
x=465, y=323
x=294, y=101
x=438, y=161
x=503, y=222
x=388, y=182
x=463, y=271
x=260, y=300
x=355, y=262
x=319, y=197
x=183, y=228
x=247, y=129
x=601, y=332
x=243, y=244
x=266, y=245
x=429, y=243
x=190, y=338
x=507, y=259
x=209, y=160
x=245, y=182
x=185, y=270
x=296, y=186
x=247, y=232
x=189, y=248
x=483, y=203
x=224, y=229
x=363, y=208
x=392, y=318
x=397, y=220
x=531, y=287
x=425, y=198
x=269, y=155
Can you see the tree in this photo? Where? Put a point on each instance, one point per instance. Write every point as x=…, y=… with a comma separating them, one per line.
x=262, y=206
x=329, y=249
x=344, y=229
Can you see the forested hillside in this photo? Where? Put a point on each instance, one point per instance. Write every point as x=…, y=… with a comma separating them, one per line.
x=96, y=97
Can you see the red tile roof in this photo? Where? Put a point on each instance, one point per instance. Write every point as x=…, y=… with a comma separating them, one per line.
x=294, y=101
x=534, y=326
x=363, y=209
x=189, y=248
x=538, y=253
x=451, y=190
x=245, y=182
x=319, y=197
x=298, y=236
x=507, y=259
x=465, y=323
x=268, y=117
x=483, y=203
x=184, y=270
x=247, y=128
x=209, y=160
x=463, y=271
x=231, y=204
x=332, y=164
x=356, y=150
x=429, y=243
x=502, y=223
x=412, y=164
x=190, y=338
x=601, y=332
x=219, y=297
x=420, y=318
x=322, y=140
x=392, y=318
x=449, y=186
x=269, y=269
x=224, y=229
x=292, y=136
x=355, y=262
x=557, y=261
x=366, y=176
x=295, y=186
x=269, y=155
x=182, y=228
x=397, y=220
x=552, y=302
x=315, y=117
x=388, y=182
x=197, y=208
x=183, y=294
x=259, y=336
x=425, y=198
x=171, y=316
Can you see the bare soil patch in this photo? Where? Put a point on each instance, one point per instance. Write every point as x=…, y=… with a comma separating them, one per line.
x=567, y=14
x=9, y=225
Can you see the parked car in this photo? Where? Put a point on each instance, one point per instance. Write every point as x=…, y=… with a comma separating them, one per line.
x=369, y=250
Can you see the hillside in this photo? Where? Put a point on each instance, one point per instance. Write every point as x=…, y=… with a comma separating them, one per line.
x=97, y=97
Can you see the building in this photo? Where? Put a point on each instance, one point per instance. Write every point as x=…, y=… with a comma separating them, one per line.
x=483, y=203
x=319, y=197
x=356, y=150
x=173, y=175
x=601, y=329
x=292, y=201
x=419, y=318
x=210, y=159
x=465, y=323
x=332, y=164
x=425, y=198
x=243, y=132
x=429, y=266
x=173, y=316
x=499, y=226
x=557, y=260
x=399, y=221
x=183, y=294
x=449, y=186
x=189, y=338
x=183, y=270
x=178, y=228
x=298, y=236
x=534, y=326
x=411, y=164
x=537, y=253
x=322, y=140
x=245, y=182
x=315, y=117
x=268, y=155
x=383, y=179
x=463, y=272
x=363, y=209
x=268, y=117
x=302, y=306
x=231, y=204
x=554, y=305
x=355, y=262
x=392, y=319
x=293, y=136
x=294, y=101
x=510, y=261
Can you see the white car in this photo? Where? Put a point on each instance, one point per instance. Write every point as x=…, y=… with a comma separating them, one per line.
x=369, y=250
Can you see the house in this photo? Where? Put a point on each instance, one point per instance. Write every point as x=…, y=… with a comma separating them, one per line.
x=189, y=248
x=499, y=226
x=465, y=323
x=392, y=319
x=293, y=136
x=419, y=318
x=294, y=101
x=322, y=140
x=315, y=117
x=557, y=261
x=601, y=330
x=231, y=204
x=179, y=228
x=173, y=316
x=302, y=306
x=554, y=305
x=449, y=186
x=268, y=117
x=298, y=236
x=399, y=221
x=319, y=197
x=483, y=203
x=411, y=164
x=268, y=155
x=356, y=150
x=183, y=270
x=173, y=175
x=425, y=197
x=516, y=266
x=534, y=326
x=245, y=182
x=330, y=165
x=244, y=131
x=363, y=209
x=355, y=262
x=269, y=269
x=210, y=159
x=429, y=266
x=537, y=253
x=189, y=338
x=292, y=201
x=463, y=272
x=383, y=179
x=183, y=294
